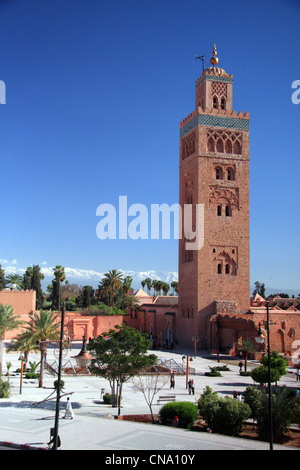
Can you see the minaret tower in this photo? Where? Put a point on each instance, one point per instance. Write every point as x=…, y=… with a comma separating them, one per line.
x=214, y=172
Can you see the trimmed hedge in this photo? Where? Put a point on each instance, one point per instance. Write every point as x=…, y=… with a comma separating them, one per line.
x=186, y=412
x=107, y=398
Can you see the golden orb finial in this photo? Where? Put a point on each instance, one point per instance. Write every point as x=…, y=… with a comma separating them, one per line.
x=214, y=60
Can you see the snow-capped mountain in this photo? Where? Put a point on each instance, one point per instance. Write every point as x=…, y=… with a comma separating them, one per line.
x=84, y=277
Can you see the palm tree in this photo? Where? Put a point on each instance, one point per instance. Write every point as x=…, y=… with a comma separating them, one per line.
x=148, y=284
x=110, y=284
x=159, y=286
x=247, y=346
x=174, y=286
x=8, y=321
x=127, y=285
x=42, y=328
x=14, y=280
x=284, y=412
x=155, y=286
x=60, y=276
x=143, y=283
x=131, y=302
x=165, y=288
x=23, y=344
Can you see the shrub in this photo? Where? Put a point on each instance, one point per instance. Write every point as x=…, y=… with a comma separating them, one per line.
x=214, y=372
x=222, y=368
x=55, y=384
x=229, y=416
x=252, y=398
x=223, y=415
x=31, y=375
x=107, y=398
x=4, y=388
x=206, y=403
x=186, y=412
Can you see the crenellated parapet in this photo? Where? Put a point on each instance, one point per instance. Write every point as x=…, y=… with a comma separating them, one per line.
x=214, y=112
x=17, y=291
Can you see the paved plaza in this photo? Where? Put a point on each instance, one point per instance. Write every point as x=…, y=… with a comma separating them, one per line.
x=26, y=419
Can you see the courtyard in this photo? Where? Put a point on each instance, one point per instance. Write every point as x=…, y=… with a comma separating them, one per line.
x=26, y=417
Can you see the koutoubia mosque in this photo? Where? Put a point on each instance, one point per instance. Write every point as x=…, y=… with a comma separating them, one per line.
x=214, y=308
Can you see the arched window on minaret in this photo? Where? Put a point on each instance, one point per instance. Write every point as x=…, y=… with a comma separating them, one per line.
x=219, y=210
x=215, y=102
x=237, y=147
x=220, y=146
x=219, y=268
x=228, y=211
x=228, y=146
x=219, y=173
x=211, y=145
x=222, y=103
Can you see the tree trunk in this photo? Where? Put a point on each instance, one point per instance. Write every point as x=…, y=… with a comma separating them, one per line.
x=246, y=356
x=42, y=368
x=113, y=395
x=119, y=397
x=1, y=354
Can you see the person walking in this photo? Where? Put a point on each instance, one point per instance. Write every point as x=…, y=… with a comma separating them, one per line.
x=172, y=380
x=69, y=411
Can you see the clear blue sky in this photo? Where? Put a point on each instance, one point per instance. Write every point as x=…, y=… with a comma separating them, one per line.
x=95, y=92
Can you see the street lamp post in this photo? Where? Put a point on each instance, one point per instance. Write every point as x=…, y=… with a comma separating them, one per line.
x=21, y=376
x=260, y=339
x=195, y=339
x=55, y=439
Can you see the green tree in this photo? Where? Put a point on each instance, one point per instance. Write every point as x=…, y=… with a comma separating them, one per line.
x=278, y=367
x=36, y=278
x=86, y=296
x=119, y=355
x=42, y=328
x=259, y=289
x=276, y=362
x=27, y=276
x=59, y=277
x=2, y=278
x=261, y=374
x=8, y=322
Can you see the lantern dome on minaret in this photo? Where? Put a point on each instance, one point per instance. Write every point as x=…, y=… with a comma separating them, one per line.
x=214, y=60
x=214, y=70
